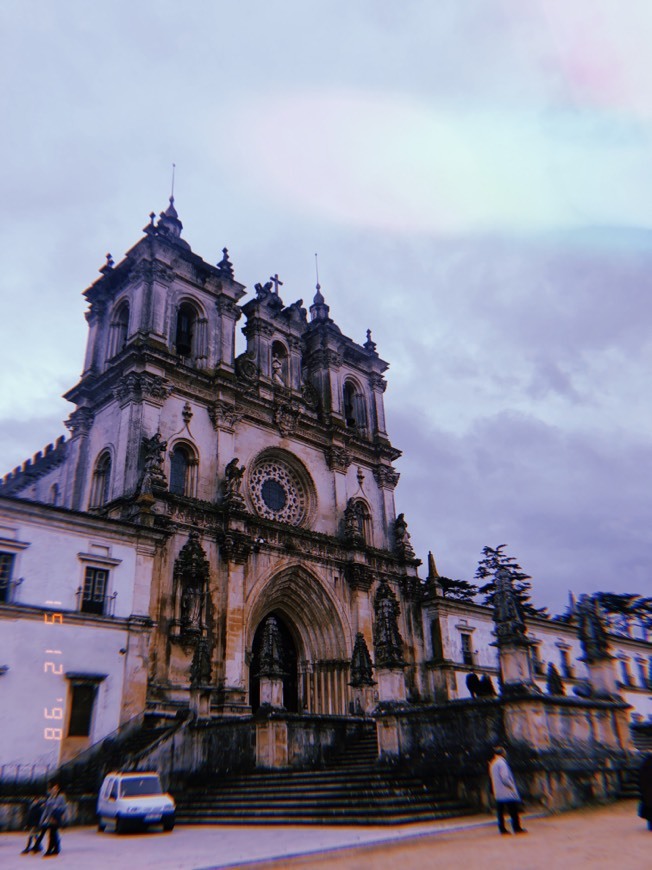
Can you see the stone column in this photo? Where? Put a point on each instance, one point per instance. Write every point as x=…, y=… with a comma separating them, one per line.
x=235, y=548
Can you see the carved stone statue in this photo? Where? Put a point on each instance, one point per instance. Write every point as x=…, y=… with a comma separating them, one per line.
x=591, y=631
x=403, y=544
x=554, y=683
x=191, y=573
x=388, y=644
x=200, y=669
x=361, y=667
x=191, y=602
x=153, y=476
x=277, y=371
x=508, y=617
x=233, y=475
x=353, y=523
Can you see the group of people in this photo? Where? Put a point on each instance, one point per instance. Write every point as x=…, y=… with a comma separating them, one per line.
x=46, y=815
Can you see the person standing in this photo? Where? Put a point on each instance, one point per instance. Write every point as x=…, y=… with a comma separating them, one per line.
x=53, y=818
x=33, y=825
x=505, y=792
x=645, y=788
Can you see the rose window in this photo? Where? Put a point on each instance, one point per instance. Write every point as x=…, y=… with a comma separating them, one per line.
x=277, y=492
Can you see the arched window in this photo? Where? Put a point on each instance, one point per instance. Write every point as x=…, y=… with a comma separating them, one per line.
x=355, y=412
x=101, y=481
x=54, y=494
x=186, y=329
x=119, y=330
x=279, y=364
x=183, y=464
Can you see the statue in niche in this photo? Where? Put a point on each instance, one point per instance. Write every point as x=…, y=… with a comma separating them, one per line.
x=277, y=371
x=404, y=547
x=233, y=475
x=153, y=476
x=191, y=601
x=200, y=668
x=591, y=631
x=354, y=523
x=191, y=573
x=388, y=644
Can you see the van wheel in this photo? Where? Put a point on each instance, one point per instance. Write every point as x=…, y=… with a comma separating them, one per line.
x=120, y=825
x=100, y=825
x=168, y=824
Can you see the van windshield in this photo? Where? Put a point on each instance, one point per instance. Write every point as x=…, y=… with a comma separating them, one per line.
x=140, y=785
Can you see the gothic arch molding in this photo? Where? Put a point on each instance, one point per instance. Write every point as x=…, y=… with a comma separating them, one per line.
x=320, y=631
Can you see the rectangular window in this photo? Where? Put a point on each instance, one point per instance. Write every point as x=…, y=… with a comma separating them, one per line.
x=81, y=710
x=537, y=664
x=624, y=670
x=6, y=571
x=467, y=652
x=642, y=675
x=94, y=590
x=566, y=670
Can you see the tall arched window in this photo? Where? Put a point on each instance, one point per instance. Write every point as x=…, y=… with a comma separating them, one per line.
x=54, y=494
x=119, y=329
x=354, y=408
x=183, y=464
x=186, y=329
x=101, y=481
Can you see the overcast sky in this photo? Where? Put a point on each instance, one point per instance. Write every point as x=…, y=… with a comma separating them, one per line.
x=476, y=176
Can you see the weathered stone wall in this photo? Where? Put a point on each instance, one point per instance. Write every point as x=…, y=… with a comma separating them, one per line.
x=564, y=752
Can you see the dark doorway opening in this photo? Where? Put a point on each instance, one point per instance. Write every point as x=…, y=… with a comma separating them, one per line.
x=289, y=653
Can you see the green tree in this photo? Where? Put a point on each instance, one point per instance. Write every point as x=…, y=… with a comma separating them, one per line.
x=625, y=608
x=459, y=590
x=495, y=559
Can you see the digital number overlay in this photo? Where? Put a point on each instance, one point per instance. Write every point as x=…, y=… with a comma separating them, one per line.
x=51, y=666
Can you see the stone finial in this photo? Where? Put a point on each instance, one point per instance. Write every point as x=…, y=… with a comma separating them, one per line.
x=591, y=630
x=225, y=265
x=388, y=644
x=169, y=223
x=508, y=615
x=200, y=668
x=319, y=310
x=369, y=344
x=361, y=667
x=271, y=654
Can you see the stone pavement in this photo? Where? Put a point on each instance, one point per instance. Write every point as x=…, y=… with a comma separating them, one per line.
x=601, y=838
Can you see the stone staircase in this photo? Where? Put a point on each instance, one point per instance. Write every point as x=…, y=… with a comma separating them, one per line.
x=352, y=790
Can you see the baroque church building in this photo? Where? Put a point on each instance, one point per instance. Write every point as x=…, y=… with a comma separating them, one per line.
x=218, y=537
x=268, y=477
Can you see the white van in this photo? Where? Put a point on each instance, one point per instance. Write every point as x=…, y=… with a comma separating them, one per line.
x=127, y=800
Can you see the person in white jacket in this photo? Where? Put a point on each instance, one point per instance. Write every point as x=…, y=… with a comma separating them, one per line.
x=505, y=792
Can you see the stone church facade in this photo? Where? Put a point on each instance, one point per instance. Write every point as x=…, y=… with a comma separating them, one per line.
x=218, y=534
x=269, y=475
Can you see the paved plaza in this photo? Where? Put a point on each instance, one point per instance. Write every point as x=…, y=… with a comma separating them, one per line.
x=605, y=837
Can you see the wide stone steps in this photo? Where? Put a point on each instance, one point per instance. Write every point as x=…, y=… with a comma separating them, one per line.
x=351, y=790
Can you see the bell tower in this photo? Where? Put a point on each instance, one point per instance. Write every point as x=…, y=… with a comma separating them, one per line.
x=161, y=329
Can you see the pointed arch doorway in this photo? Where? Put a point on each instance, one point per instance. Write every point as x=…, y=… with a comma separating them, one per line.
x=290, y=664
